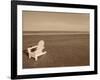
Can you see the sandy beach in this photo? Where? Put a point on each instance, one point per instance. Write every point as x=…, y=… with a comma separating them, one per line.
x=62, y=50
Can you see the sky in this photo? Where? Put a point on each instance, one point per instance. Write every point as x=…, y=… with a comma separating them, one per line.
x=54, y=21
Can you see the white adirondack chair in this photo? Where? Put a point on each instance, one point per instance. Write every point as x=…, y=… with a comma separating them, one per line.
x=38, y=52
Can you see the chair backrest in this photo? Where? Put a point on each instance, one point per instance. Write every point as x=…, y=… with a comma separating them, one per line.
x=41, y=43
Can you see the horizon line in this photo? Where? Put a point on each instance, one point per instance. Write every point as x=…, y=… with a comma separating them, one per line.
x=54, y=32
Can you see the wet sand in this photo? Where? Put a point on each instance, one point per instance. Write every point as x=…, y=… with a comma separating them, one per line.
x=62, y=50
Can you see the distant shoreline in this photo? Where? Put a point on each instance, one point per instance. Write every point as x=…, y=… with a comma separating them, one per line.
x=54, y=32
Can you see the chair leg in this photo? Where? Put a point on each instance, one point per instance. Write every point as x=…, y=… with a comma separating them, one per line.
x=36, y=58
x=30, y=56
